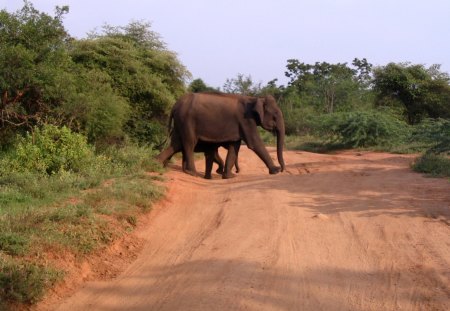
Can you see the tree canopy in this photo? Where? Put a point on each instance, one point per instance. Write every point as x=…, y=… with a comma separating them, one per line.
x=120, y=82
x=328, y=87
x=418, y=92
x=34, y=66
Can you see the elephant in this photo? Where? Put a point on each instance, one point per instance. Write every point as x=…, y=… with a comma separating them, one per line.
x=211, y=153
x=220, y=118
x=212, y=156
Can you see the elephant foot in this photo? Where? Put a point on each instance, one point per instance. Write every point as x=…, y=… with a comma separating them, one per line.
x=193, y=173
x=208, y=176
x=228, y=176
x=274, y=170
x=219, y=171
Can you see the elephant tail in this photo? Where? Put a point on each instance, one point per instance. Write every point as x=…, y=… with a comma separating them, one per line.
x=169, y=132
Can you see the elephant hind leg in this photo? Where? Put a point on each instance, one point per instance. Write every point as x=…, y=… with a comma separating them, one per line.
x=174, y=147
x=188, y=158
x=219, y=161
x=165, y=156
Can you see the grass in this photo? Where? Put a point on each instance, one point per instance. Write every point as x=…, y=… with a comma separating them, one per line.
x=24, y=282
x=433, y=165
x=68, y=213
x=311, y=143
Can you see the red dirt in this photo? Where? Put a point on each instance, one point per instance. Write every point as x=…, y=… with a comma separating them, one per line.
x=350, y=231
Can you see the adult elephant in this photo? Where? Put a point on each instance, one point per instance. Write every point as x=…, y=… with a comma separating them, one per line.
x=224, y=118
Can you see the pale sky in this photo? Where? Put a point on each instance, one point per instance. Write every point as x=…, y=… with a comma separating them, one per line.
x=219, y=39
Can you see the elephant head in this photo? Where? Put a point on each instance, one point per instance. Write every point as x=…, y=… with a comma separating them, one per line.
x=271, y=119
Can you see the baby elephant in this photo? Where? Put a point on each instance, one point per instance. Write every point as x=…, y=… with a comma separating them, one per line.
x=212, y=155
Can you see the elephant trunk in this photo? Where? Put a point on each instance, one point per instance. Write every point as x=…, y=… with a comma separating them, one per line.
x=280, y=143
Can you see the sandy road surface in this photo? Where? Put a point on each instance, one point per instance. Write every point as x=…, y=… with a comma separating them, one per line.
x=352, y=231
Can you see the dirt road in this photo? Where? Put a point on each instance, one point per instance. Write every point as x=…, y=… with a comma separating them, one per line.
x=351, y=231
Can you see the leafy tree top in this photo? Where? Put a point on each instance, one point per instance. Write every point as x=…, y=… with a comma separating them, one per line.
x=421, y=92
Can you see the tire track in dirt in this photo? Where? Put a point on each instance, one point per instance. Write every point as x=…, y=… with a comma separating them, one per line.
x=349, y=231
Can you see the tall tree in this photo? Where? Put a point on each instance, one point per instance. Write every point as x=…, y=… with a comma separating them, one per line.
x=198, y=85
x=141, y=69
x=242, y=85
x=417, y=91
x=328, y=87
x=33, y=66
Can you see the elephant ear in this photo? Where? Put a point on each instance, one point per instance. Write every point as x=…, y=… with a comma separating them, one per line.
x=259, y=109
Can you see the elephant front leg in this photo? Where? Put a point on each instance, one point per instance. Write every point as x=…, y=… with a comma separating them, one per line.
x=262, y=153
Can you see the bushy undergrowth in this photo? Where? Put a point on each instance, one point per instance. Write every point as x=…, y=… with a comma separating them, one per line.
x=435, y=135
x=48, y=150
x=363, y=129
x=24, y=282
x=374, y=129
x=433, y=164
x=43, y=206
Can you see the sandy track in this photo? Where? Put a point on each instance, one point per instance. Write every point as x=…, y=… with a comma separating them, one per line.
x=352, y=231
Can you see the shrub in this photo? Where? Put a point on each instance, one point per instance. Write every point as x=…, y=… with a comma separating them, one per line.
x=433, y=164
x=24, y=283
x=363, y=128
x=132, y=158
x=49, y=150
x=435, y=133
x=13, y=244
x=299, y=121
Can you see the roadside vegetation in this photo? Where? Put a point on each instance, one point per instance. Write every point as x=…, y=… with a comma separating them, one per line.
x=81, y=120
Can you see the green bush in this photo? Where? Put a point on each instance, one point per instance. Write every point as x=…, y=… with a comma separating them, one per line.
x=363, y=128
x=435, y=133
x=25, y=282
x=433, y=164
x=13, y=244
x=299, y=121
x=132, y=158
x=48, y=150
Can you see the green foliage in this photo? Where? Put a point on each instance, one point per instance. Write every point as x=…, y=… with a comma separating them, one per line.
x=433, y=164
x=140, y=69
x=420, y=92
x=48, y=150
x=33, y=67
x=198, y=85
x=329, y=87
x=363, y=128
x=40, y=211
x=58, y=97
x=115, y=84
x=299, y=121
x=13, y=244
x=94, y=108
x=132, y=158
x=242, y=85
x=24, y=282
x=435, y=134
